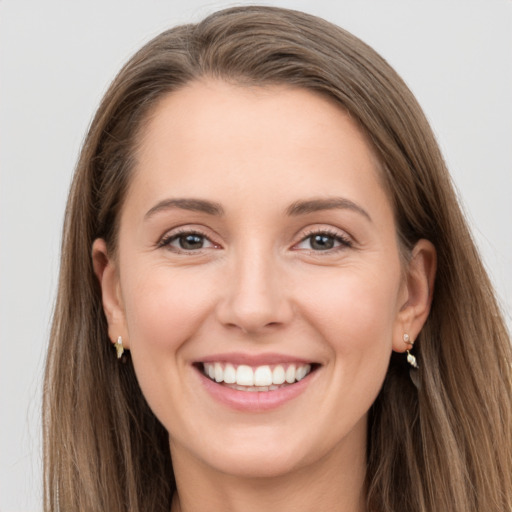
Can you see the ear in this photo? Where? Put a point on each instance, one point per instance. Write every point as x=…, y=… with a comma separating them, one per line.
x=417, y=294
x=108, y=276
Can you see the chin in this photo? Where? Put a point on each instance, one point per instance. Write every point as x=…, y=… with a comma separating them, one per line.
x=257, y=463
x=264, y=451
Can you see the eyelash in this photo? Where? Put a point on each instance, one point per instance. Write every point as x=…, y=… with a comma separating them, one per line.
x=344, y=241
x=166, y=241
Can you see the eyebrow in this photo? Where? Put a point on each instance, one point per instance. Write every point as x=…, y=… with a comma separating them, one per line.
x=295, y=209
x=195, y=205
x=331, y=203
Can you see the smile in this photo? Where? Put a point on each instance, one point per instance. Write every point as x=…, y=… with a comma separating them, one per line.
x=260, y=378
x=256, y=383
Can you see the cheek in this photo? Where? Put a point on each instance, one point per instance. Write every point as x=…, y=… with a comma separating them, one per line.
x=164, y=306
x=164, y=309
x=355, y=315
x=355, y=309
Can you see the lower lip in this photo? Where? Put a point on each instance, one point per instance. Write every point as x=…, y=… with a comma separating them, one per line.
x=254, y=401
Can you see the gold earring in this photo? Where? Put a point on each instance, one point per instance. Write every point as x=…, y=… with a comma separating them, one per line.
x=119, y=347
x=410, y=358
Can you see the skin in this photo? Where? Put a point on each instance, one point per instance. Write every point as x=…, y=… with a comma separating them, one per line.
x=256, y=283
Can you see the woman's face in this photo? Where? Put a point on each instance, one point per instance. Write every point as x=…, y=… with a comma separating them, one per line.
x=258, y=247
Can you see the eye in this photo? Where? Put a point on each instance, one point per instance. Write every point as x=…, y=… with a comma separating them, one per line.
x=188, y=241
x=323, y=241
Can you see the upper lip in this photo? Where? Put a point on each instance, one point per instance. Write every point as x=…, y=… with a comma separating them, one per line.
x=238, y=358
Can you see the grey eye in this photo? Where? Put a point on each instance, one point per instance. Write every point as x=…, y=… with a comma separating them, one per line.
x=190, y=241
x=187, y=242
x=321, y=242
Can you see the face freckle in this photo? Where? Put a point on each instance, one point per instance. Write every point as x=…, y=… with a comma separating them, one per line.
x=255, y=233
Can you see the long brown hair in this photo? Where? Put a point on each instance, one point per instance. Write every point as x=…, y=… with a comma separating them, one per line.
x=445, y=445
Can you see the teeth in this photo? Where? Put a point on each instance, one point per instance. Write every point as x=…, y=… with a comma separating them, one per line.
x=290, y=374
x=299, y=375
x=278, y=375
x=229, y=374
x=219, y=374
x=261, y=378
x=244, y=375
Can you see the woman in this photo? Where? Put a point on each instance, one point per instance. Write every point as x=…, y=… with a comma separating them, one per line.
x=257, y=220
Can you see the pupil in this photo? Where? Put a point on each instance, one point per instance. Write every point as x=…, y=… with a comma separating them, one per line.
x=322, y=242
x=191, y=242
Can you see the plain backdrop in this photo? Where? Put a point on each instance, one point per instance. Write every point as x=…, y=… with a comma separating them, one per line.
x=56, y=61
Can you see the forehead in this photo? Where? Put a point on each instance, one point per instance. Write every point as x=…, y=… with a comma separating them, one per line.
x=217, y=137
x=201, y=107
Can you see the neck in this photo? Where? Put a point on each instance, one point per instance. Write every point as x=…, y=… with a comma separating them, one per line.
x=334, y=483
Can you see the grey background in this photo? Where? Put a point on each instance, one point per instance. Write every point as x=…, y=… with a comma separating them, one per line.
x=56, y=60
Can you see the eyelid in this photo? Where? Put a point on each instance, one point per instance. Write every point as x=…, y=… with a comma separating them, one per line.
x=173, y=234
x=345, y=240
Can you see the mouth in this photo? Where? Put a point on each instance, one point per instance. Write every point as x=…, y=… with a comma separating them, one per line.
x=253, y=383
x=262, y=378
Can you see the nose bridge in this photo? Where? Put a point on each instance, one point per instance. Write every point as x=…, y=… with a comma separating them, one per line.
x=255, y=297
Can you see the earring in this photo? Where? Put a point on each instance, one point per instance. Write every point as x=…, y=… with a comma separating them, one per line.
x=119, y=347
x=410, y=358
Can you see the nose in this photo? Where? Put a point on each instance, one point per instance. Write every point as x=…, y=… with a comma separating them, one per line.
x=255, y=299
